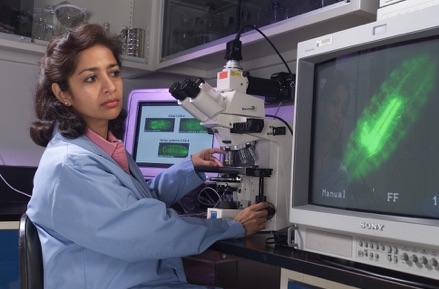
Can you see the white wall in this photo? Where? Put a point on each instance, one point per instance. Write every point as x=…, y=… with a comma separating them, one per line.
x=16, y=113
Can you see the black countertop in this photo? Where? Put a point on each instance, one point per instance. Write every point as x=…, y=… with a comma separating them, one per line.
x=358, y=275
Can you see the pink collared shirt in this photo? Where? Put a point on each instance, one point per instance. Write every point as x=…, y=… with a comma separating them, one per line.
x=114, y=147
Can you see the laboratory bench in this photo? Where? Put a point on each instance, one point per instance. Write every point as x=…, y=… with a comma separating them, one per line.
x=282, y=267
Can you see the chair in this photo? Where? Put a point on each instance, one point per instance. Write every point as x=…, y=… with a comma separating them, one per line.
x=30, y=255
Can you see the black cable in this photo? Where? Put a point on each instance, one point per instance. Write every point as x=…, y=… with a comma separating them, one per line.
x=238, y=36
x=282, y=120
x=14, y=189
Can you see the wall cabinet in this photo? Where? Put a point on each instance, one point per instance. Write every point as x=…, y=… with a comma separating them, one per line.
x=188, y=23
x=206, y=59
x=117, y=14
x=189, y=37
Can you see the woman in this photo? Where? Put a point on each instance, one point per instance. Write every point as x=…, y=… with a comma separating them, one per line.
x=100, y=224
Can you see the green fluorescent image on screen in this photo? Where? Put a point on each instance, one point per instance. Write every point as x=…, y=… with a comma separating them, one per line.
x=167, y=133
x=191, y=125
x=173, y=150
x=159, y=124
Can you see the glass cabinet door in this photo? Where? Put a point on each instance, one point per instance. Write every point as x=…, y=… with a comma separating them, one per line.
x=191, y=23
x=16, y=17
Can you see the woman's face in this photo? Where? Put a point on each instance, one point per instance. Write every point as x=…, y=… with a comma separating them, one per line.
x=95, y=88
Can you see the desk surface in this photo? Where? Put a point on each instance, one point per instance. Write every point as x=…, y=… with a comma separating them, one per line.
x=357, y=275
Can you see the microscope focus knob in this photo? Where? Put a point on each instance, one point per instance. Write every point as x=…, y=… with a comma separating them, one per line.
x=271, y=211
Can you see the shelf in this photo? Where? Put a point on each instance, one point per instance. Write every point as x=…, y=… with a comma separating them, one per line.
x=20, y=49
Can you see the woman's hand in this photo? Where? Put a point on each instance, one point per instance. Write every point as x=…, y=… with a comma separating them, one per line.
x=253, y=218
x=205, y=158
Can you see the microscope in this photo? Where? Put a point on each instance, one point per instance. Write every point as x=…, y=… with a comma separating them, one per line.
x=257, y=162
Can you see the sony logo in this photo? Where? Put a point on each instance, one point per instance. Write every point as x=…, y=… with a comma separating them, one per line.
x=371, y=226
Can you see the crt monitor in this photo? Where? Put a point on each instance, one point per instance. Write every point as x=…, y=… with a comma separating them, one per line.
x=159, y=132
x=365, y=182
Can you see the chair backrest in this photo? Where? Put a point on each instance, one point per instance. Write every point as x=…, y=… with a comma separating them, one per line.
x=30, y=255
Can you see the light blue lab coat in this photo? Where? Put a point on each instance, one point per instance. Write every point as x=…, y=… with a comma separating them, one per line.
x=101, y=227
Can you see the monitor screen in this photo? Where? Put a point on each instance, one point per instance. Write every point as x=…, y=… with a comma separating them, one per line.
x=374, y=140
x=159, y=132
x=167, y=133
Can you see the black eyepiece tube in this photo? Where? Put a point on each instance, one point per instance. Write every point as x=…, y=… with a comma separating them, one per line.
x=176, y=91
x=190, y=88
x=199, y=81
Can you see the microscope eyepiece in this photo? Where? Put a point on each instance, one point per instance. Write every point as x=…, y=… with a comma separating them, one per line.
x=190, y=88
x=199, y=81
x=176, y=92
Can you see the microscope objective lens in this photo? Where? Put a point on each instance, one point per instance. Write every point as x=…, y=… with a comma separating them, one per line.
x=243, y=156
x=228, y=158
x=252, y=153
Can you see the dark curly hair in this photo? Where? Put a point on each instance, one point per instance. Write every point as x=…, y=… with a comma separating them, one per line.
x=57, y=65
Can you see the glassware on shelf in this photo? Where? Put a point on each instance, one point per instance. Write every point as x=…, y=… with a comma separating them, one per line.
x=122, y=37
x=183, y=34
x=38, y=24
x=49, y=30
x=107, y=27
x=230, y=27
x=209, y=26
x=69, y=15
x=132, y=41
x=297, y=7
x=255, y=16
x=276, y=11
x=44, y=25
x=50, y=27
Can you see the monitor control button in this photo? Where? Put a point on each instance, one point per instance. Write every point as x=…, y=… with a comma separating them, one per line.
x=433, y=262
x=404, y=257
x=413, y=258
